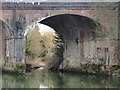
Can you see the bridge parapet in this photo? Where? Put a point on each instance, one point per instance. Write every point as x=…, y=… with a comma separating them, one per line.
x=59, y=5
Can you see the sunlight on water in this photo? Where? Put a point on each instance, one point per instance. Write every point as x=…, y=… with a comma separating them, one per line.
x=43, y=86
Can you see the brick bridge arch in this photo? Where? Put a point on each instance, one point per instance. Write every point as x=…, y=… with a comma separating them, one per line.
x=21, y=16
x=84, y=39
x=76, y=22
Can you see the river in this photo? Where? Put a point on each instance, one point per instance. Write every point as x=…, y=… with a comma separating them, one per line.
x=48, y=79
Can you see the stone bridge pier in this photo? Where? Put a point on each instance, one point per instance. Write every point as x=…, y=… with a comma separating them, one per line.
x=12, y=41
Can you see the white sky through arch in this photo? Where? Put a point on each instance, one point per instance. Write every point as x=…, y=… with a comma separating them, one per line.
x=44, y=28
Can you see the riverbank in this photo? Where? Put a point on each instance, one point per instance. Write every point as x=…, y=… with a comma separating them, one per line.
x=90, y=69
x=95, y=69
x=70, y=71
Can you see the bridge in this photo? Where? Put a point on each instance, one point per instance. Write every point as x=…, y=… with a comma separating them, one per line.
x=89, y=29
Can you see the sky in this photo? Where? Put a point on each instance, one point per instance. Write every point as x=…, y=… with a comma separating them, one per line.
x=44, y=28
x=60, y=0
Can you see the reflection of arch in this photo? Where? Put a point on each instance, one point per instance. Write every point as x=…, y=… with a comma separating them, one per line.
x=6, y=42
x=80, y=29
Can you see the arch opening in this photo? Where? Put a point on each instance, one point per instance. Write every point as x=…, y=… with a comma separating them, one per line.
x=84, y=39
x=44, y=47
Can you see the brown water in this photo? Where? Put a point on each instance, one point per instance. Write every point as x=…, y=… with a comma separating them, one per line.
x=48, y=79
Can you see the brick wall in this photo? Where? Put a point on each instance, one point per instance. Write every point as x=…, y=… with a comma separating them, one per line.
x=0, y=46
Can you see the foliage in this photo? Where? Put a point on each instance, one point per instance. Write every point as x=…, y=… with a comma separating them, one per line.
x=47, y=47
x=54, y=55
x=35, y=46
x=43, y=51
x=28, y=51
x=58, y=43
x=57, y=56
x=115, y=67
x=20, y=67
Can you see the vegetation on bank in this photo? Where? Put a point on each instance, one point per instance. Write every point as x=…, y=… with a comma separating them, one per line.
x=87, y=69
x=55, y=58
x=19, y=68
x=47, y=48
x=95, y=69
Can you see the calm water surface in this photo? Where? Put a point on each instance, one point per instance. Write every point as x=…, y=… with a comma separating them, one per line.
x=44, y=79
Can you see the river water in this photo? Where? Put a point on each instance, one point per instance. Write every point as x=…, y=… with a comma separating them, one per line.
x=48, y=79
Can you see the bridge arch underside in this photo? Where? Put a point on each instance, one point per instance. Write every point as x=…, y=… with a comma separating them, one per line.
x=85, y=40
x=6, y=44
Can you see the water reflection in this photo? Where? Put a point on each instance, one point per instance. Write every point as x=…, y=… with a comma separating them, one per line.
x=48, y=79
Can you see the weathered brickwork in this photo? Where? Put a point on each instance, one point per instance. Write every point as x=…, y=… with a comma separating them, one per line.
x=79, y=44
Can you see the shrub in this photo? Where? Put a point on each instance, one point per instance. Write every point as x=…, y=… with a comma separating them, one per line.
x=20, y=67
x=115, y=67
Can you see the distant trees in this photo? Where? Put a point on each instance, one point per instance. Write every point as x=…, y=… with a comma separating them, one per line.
x=43, y=50
x=56, y=55
x=28, y=51
x=35, y=46
x=58, y=50
x=47, y=47
x=58, y=45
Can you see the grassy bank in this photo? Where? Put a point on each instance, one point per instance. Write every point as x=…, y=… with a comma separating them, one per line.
x=95, y=69
x=90, y=69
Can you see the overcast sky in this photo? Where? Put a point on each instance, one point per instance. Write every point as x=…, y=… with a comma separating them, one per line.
x=60, y=0
x=44, y=28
